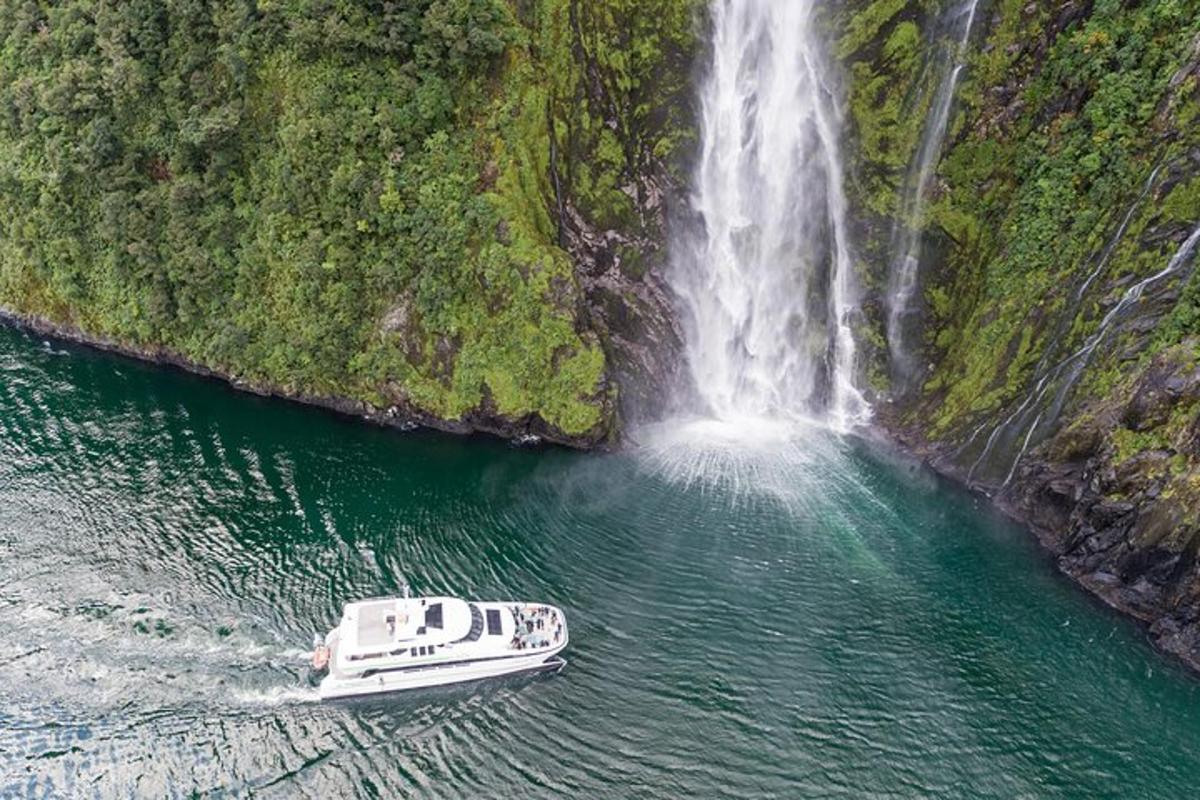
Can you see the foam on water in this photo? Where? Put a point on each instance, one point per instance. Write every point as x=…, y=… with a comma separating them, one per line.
x=794, y=462
x=277, y=696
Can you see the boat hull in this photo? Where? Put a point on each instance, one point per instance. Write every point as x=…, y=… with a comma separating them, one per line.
x=333, y=687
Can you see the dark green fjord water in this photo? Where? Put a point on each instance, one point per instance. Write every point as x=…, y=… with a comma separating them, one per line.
x=811, y=619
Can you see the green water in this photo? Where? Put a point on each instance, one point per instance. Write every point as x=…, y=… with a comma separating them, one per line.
x=805, y=619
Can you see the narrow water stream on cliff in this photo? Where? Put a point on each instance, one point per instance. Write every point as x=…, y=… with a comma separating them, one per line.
x=837, y=623
x=948, y=62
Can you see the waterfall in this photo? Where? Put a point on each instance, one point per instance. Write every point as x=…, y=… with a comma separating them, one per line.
x=907, y=232
x=765, y=276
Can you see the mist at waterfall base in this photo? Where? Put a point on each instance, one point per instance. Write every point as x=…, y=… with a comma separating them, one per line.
x=168, y=547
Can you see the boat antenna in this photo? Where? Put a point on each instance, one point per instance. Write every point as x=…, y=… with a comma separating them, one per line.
x=404, y=589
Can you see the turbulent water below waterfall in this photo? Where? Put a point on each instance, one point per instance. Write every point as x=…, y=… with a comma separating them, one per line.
x=772, y=617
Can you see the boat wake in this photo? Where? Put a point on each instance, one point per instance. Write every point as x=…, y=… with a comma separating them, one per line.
x=277, y=696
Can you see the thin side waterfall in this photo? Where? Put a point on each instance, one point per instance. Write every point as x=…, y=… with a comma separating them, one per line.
x=1066, y=373
x=1044, y=371
x=1047, y=376
x=766, y=275
x=907, y=233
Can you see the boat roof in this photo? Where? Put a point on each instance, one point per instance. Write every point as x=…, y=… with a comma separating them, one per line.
x=384, y=623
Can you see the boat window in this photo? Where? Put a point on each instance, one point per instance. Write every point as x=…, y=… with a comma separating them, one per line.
x=433, y=616
x=493, y=622
x=476, y=624
x=412, y=652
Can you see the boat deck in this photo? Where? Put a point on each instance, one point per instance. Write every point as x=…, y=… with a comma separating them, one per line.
x=392, y=643
x=377, y=623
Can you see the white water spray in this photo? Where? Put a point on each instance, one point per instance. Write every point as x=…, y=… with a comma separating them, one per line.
x=767, y=280
x=907, y=235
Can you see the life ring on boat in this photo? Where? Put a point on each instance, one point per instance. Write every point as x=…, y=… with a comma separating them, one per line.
x=320, y=658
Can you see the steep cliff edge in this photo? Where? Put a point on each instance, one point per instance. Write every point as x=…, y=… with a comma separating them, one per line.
x=440, y=211
x=1057, y=363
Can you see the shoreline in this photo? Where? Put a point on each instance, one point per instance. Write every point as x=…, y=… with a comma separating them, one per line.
x=527, y=431
x=1026, y=504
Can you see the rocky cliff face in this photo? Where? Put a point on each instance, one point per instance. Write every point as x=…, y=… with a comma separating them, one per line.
x=1058, y=305
x=623, y=131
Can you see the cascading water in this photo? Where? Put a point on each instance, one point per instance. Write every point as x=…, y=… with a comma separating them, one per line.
x=1047, y=368
x=907, y=235
x=766, y=279
x=1064, y=375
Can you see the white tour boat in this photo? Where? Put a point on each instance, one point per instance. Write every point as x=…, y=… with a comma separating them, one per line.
x=388, y=644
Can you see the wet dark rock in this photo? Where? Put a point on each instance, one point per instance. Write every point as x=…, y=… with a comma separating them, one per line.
x=1135, y=474
x=1124, y=525
x=630, y=304
x=1106, y=512
x=1106, y=539
x=1190, y=441
x=1161, y=388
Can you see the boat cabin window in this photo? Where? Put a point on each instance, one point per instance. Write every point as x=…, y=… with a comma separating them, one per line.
x=493, y=622
x=433, y=616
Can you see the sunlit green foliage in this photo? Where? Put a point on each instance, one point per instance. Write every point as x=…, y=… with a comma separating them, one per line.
x=886, y=44
x=330, y=197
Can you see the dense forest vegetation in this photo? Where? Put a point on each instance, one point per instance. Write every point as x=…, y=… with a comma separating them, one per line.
x=407, y=203
x=321, y=197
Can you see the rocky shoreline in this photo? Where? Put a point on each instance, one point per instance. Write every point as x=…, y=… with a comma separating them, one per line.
x=1094, y=540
